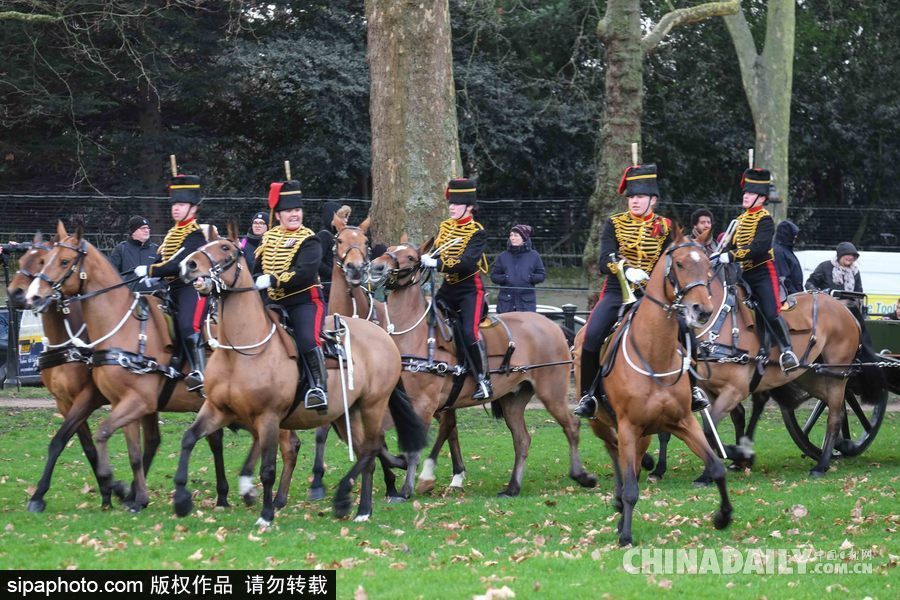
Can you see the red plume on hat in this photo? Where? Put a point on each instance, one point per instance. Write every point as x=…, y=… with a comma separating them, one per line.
x=274, y=193
x=623, y=183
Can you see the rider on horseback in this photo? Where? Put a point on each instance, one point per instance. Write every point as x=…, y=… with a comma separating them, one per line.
x=287, y=262
x=639, y=236
x=183, y=238
x=752, y=246
x=460, y=257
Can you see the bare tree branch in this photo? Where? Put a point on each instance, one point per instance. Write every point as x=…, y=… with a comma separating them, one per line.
x=14, y=15
x=687, y=16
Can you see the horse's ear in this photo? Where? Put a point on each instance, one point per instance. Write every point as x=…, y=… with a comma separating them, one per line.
x=426, y=246
x=404, y=237
x=367, y=222
x=213, y=233
x=38, y=238
x=79, y=232
x=232, y=229
x=61, y=232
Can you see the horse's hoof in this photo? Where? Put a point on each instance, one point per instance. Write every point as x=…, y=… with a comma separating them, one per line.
x=654, y=477
x=134, y=507
x=249, y=498
x=395, y=499
x=507, y=493
x=701, y=482
x=341, y=508
x=361, y=518
x=586, y=480
x=263, y=523
x=183, y=504
x=625, y=540
x=425, y=486
x=222, y=502
x=721, y=520
x=279, y=502
x=36, y=506
x=120, y=490
x=735, y=467
x=316, y=493
x=816, y=474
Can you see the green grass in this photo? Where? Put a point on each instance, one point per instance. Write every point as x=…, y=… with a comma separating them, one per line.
x=555, y=540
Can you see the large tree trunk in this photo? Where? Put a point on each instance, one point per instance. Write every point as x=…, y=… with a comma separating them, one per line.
x=413, y=114
x=768, y=80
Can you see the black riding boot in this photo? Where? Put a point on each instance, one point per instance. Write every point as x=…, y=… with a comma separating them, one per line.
x=483, y=389
x=788, y=359
x=317, y=396
x=197, y=359
x=590, y=367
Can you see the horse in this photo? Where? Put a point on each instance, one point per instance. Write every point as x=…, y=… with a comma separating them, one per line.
x=253, y=379
x=647, y=384
x=113, y=318
x=822, y=326
x=535, y=345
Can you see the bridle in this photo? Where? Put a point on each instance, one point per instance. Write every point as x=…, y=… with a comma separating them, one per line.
x=363, y=250
x=396, y=274
x=78, y=263
x=670, y=278
x=217, y=269
x=37, y=246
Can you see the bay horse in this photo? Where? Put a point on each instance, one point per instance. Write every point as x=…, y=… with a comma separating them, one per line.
x=825, y=330
x=75, y=272
x=253, y=379
x=540, y=364
x=648, y=385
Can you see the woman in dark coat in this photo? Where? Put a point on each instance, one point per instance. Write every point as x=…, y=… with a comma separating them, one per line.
x=259, y=224
x=517, y=270
x=839, y=273
x=786, y=264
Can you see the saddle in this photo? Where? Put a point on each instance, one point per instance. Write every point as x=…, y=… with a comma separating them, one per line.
x=285, y=332
x=797, y=319
x=497, y=336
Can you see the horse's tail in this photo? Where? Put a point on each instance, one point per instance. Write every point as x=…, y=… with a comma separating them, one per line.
x=872, y=380
x=412, y=434
x=497, y=410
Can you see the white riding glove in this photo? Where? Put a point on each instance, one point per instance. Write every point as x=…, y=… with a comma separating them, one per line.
x=141, y=270
x=723, y=258
x=149, y=281
x=635, y=275
x=263, y=282
x=428, y=261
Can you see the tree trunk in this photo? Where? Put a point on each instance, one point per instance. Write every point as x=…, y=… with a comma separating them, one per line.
x=413, y=116
x=620, y=31
x=152, y=157
x=768, y=79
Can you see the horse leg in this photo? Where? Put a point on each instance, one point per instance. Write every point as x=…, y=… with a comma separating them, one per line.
x=426, y=477
x=457, y=465
x=138, y=498
x=209, y=419
x=835, y=401
x=514, y=414
x=317, y=488
x=246, y=487
x=388, y=461
x=75, y=421
x=128, y=410
x=364, y=512
x=216, y=446
x=629, y=464
x=152, y=439
x=611, y=443
x=662, y=460
x=690, y=432
x=290, y=449
x=558, y=407
x=268, y=431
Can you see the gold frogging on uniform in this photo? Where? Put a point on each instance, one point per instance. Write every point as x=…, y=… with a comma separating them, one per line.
x=449, y=230
x=640, y=242
x=172, y=242
x=744, y=235
x=277, y=250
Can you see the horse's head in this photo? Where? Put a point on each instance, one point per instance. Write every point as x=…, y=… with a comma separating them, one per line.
x=30, y=264
x=58, y=275
x=687, y=274
x=398, y=265
x=351, y=251
x=209, y=267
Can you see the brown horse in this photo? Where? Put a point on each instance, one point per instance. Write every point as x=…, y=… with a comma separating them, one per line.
x=253, y=380
x=78, y=273
x=836, y=340
x=539, y=365
x=648, y=386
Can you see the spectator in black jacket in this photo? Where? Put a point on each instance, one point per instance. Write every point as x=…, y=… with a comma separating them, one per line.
x=259, y=224
x=136, y=250
x=333, y=214
x=517, y=270
x=786, y=264
x=839, y=273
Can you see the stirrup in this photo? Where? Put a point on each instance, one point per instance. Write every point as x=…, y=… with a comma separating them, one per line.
x=194, y=381
x=788, y=361
x=483, y=390
x=699, y=400
x=587, y=407
x=315, y=399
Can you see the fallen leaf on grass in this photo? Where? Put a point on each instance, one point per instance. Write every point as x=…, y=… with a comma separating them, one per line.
x=846, y=545
x=666, y=584
x=360, y=594
x=198, y=555
x=496, y=594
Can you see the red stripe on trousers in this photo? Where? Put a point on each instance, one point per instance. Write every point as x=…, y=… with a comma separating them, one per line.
x=479, y=302
x=316, y=295
x=199, y=309
x=773, y=276
x=599, y=298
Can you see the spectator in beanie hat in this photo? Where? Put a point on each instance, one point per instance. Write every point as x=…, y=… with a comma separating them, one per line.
x=259, y=224
x=136, y=250
x=517, y=270
x=838, y=273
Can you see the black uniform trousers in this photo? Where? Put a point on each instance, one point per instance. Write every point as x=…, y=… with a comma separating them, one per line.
x=467, y=298
x=190, y=309
x=603, y=317
x=307, y=313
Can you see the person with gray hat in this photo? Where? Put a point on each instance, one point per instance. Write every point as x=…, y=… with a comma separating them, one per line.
x=136, y=250
x=838, y=273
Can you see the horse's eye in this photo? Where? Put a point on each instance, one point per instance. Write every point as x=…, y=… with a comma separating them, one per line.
x=224, y=248
x=64, y=262
x=411, y=258
x=679, y=265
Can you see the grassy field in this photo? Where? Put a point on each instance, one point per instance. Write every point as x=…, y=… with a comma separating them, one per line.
x=554, y=540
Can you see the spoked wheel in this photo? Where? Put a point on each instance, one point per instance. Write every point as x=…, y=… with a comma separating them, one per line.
x=858, y=431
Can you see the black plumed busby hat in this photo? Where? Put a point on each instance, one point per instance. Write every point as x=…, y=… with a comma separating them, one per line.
x=285, y=195
x=185, y=188
x=639, y=180
x=461, y=191
x=756, y=181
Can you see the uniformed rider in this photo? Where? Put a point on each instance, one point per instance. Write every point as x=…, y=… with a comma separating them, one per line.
x=639, y=236
x=183, y=238
x=460, y=243
x=751, y=246
x=287, y=262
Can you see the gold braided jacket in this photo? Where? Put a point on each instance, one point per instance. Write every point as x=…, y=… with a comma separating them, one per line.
x=450, y=257
x=748, y=222
x=640, y=241
x=277, y=249
x=173, y=242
